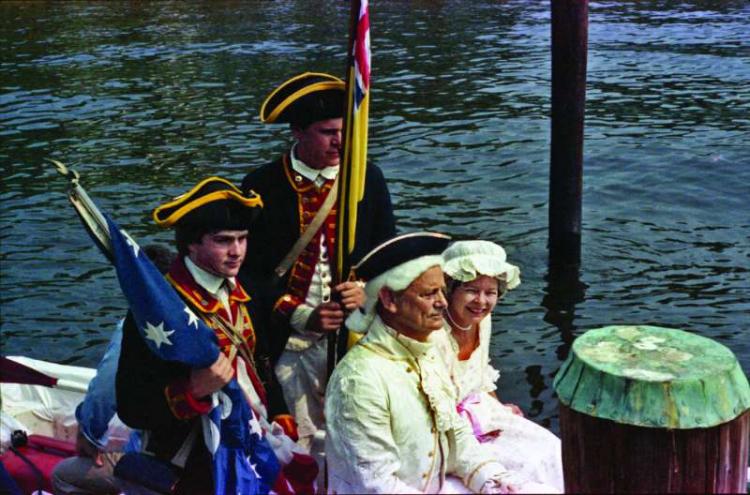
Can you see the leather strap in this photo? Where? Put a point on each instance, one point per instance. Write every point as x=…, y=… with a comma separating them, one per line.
x=234, y=334
x=310, y=231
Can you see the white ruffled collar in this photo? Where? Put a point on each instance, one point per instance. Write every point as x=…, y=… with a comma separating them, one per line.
x=434, y=380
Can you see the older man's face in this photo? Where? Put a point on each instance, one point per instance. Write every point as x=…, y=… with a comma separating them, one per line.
x=417, y=311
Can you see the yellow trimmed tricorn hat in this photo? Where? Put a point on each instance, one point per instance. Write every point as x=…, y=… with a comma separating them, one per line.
x=305, y=99
x=213, y=204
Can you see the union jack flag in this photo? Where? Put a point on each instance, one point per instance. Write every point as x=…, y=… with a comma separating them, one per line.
x=354, y=163
x=362, y=55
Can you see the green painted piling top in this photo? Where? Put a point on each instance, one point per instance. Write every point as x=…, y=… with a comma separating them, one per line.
x=653, y=377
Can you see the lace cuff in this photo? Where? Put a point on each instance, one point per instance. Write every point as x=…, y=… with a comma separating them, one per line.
x=490, y=376
x=487, y=477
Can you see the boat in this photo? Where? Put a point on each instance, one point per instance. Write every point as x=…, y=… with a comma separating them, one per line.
x=37, y=420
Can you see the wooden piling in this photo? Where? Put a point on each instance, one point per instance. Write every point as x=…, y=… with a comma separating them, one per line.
x=625, y=459
x=653, y=410
x=569, y=56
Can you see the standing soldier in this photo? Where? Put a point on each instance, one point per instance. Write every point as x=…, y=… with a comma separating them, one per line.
x=303, y=304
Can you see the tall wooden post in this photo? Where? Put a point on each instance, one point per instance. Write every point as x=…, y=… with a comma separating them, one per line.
x=569, y=46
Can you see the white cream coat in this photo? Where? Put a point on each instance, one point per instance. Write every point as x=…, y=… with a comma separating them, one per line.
x=392, y=424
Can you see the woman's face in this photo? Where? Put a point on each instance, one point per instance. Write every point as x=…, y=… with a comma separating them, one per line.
x=472, y=301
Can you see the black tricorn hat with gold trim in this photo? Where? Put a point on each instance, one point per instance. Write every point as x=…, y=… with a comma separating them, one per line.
x=304, y=99
x=214, y=204
x=398, y=251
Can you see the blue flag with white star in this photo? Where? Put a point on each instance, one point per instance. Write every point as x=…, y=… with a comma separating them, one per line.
x=169, y=328
x=237, y=448
x=243, y=462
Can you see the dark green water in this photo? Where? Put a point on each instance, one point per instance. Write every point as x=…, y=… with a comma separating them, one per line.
x=146, y=98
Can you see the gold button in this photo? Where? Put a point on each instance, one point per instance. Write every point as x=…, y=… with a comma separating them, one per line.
x=297, y=178
x=287, y=298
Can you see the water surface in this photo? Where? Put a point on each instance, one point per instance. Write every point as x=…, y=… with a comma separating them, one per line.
x=144, y=99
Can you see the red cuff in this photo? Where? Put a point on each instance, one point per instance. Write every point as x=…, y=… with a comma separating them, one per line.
x=298, y=476
x=286, y=421
x=286, y=305
x=182, y=403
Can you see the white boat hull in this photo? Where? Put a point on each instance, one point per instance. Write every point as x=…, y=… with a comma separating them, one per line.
x=42, y=410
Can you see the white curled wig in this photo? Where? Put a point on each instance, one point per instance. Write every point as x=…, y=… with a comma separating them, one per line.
x=397, y=278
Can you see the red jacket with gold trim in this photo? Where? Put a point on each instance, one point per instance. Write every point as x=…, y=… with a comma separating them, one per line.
x=290, y=203
x=152, y=394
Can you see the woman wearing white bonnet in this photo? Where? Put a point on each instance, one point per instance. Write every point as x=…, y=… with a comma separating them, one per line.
x=477, y=276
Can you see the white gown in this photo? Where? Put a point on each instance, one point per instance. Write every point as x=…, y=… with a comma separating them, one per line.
x=529, y=451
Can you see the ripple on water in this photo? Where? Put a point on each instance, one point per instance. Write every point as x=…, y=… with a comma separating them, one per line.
x=143, y=99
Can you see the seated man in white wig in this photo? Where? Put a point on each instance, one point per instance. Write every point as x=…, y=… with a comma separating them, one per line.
x=390, y=405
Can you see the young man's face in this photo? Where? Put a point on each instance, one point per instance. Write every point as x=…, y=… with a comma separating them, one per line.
x=220, y=253
x=319, y=144
x=417, y=311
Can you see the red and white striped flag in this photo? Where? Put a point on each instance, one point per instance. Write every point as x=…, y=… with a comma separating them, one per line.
x=354, y=164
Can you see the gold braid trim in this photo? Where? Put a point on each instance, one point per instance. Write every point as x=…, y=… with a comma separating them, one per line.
x=231, y=332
